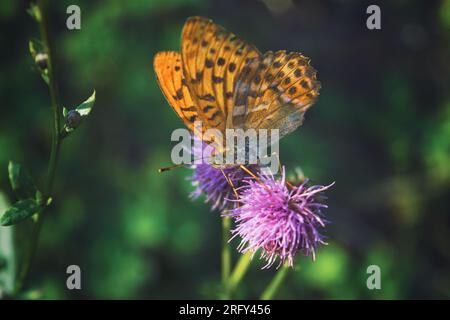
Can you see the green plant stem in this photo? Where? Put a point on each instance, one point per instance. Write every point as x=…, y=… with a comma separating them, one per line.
x=226, y=254
x=239, y=271
x=273, y=286
x=54, y=153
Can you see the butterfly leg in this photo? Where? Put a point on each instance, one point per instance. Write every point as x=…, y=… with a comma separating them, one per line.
x=253, y=175
x=230, y=182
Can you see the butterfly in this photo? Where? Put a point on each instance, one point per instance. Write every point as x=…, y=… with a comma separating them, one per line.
x=226, y=83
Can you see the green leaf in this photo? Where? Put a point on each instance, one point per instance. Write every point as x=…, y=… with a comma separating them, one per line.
x=21, y=181
x=85, y=108
x=7, y=254
x=20, y=211
x=44, y=75
x=34, y=12
x=32, y=48
x=37, y=50
x=36, y=46
x=75, y=116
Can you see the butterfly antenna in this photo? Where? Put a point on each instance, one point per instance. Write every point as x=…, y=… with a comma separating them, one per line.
x=253, y=175
x=179, y=165
x=171, y=167
x=230, y=182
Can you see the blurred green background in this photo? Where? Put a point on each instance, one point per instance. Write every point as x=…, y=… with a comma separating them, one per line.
x=380, y=129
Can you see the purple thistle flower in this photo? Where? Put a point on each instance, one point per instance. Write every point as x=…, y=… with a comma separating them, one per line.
x=218, y=191
x=279, y=218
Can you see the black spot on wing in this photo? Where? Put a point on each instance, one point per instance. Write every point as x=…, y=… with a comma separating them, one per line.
x=178, y=95
x=207, y=108
x=292, y=90
x=217, y=79
x=214, y=115
x=191, y=108
x=207, y=97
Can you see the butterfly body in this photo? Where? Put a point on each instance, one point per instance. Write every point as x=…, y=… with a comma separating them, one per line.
x=224, y=83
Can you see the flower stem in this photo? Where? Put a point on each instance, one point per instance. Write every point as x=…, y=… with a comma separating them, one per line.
x=55, y=146
x=239, y=271
x=226, y=254
x=273, y=286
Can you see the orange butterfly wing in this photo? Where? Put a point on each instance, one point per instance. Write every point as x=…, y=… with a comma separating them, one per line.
x=274, y=91
x=226, y=83
x=172, y=82
x=212, y=60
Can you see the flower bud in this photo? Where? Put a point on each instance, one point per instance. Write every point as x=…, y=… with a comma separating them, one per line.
x=41, y=60
x=73, y=119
